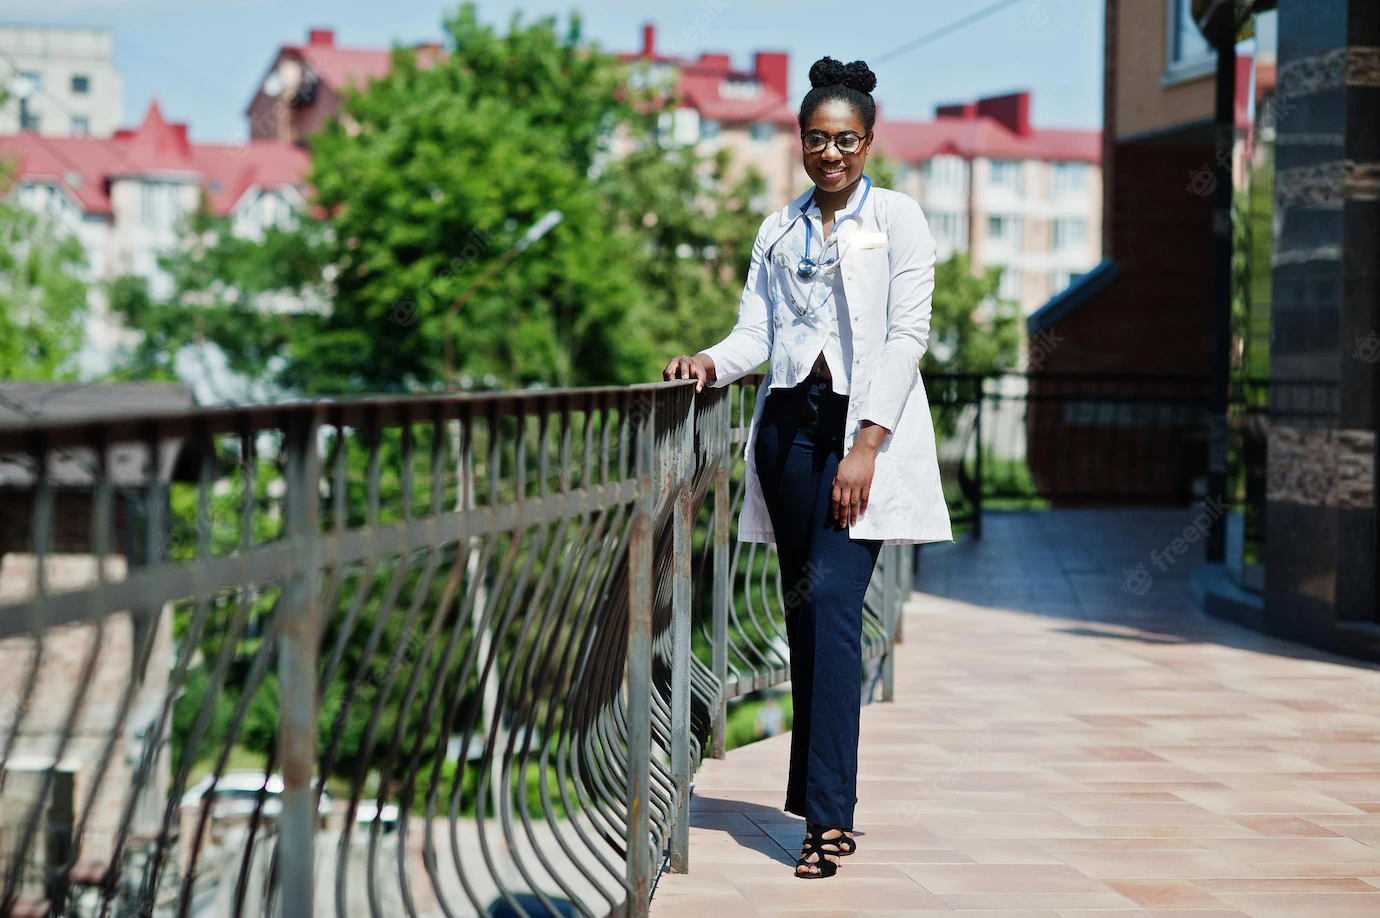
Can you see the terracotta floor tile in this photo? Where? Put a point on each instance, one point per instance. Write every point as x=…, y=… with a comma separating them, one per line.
x=1217, y=885
x=731, y=823
x=1282, y=826
x=1297, y=850
x=1288, y=871
x=1059, y=747
x=1311, y=905
x=731, y=906
x=839, y=892
x=1277, y=803
x=1226, y=912
x=913, y=856
x=961, y=902
x=1015, y=825
x=1003, y=878
x=1007, y=850
x=1155, y=864
x=1166, y=894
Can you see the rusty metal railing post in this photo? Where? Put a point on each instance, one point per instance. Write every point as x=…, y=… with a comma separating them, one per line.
x=297, y=668
x=722, y=573
x=641, y=427
x=682, y=529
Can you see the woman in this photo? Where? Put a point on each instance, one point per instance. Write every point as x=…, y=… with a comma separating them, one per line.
x=841, y=454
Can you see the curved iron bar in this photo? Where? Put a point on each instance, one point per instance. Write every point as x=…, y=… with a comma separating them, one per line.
x=450, y=593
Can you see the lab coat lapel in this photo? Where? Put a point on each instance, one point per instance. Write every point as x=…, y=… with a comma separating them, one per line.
x=865, y=290
x=786, y=218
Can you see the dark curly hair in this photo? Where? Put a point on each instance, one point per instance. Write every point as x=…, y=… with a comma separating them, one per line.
x=833, y=80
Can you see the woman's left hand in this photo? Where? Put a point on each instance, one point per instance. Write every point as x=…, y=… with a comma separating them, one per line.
x=852, y=484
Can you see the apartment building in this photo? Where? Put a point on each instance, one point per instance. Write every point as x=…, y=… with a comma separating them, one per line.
x=59, y=82
x=305, y=85
x=125, y=197
x=720, y=107
x=1027, y=200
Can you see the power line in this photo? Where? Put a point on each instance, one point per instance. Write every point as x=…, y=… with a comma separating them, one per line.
x=946, y=30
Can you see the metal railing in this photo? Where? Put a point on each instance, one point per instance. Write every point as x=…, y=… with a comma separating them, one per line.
x=1034, y=439
x=432, y=655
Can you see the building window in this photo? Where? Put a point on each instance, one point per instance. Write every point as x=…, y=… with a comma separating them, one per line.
x=1059, y=282
x=946, y=172
x=1010, y=287
x=1069, y=179
x=1069, y=233
x=740, y=89
x=1006, y=173
x=81, y=125
x=81, y=84
x=709, y=128
x=28, y=121
x=160, y=205
x=33, y=78
x=678, y=128
x=763, y=131
x=949, y=229
x=1188, y=49
x=1004, y=230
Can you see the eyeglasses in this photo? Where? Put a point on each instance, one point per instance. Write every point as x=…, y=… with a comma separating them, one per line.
x=847, y=143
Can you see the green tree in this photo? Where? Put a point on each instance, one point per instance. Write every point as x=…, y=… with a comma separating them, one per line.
x=431, y=175
x=972, y=330
x=42, y=293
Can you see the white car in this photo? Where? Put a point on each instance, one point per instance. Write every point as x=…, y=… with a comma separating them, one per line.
x=367, y=810
x=236, y=793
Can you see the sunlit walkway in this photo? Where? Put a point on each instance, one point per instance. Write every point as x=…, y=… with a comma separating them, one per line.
x=1061, y=745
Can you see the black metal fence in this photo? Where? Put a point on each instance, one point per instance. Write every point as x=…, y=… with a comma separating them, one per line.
x=1046, y=439
x=404, y=656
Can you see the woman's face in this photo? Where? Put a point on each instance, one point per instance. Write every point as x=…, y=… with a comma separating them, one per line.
x=829, y=169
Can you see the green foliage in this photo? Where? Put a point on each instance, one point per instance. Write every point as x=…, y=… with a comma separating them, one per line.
x=971, y=329
x=742, y=720
x=42, y=293
x=426, y=181
x=224, y=288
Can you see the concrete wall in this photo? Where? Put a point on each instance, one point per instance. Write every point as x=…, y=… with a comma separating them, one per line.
x=57, y=55
x=1149, y=97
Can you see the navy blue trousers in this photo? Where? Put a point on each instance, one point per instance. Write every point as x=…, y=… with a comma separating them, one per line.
x=824, y=575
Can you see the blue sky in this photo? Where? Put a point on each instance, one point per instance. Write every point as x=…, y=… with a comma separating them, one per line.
x=203, y=58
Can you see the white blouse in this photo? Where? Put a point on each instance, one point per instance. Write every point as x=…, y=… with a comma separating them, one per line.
x=813, y=312
x=888, y=271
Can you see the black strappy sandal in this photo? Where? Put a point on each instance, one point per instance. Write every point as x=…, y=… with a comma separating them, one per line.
x=815, y=852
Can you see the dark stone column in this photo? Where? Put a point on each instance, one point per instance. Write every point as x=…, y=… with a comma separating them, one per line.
x=1321, y=541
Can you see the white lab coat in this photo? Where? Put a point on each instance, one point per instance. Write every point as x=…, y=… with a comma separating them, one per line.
x=888, y=277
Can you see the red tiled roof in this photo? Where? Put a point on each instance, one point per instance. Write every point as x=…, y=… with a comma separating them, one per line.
x=700, y=89
x=977, y=136
x=84, y=166
x=339, y=67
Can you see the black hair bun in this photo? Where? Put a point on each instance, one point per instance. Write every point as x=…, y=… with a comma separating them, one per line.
x=829, y=72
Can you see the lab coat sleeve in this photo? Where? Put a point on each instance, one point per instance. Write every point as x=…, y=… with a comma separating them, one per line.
x=911, y=291
x=748, y=345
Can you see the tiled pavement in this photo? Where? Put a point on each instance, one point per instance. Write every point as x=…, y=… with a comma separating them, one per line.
x=1063, y=746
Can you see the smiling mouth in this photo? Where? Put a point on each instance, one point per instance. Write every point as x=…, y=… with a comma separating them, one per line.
x=831, y=173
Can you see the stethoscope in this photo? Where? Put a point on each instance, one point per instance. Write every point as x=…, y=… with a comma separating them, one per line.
x=808, y=267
